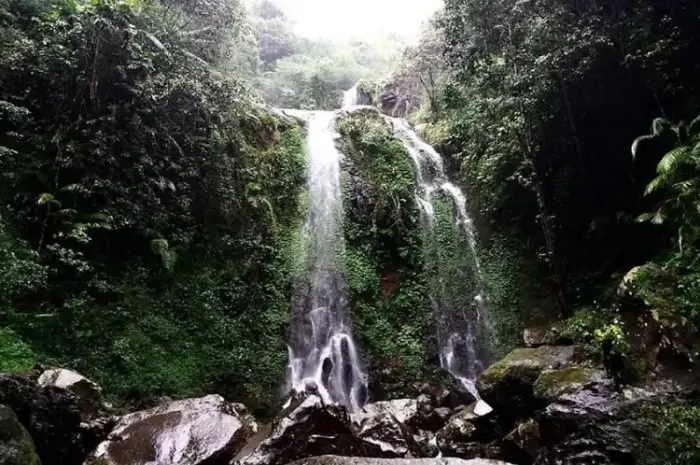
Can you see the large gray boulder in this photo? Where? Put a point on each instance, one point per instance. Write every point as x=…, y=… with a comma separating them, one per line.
x=16, y=445
x=386, y=424
x=469, y=435
x=336, y=460
x=507, y=385
x=88, y=393
x=204, y=430
x=52, y=417
x=307, y=428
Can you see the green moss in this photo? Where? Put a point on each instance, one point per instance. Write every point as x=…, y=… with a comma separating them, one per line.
x=550, y=384
x=383, y=262
x=17, y=446
x=15, y=353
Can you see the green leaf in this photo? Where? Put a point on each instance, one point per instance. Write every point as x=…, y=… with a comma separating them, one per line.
x=673, y=159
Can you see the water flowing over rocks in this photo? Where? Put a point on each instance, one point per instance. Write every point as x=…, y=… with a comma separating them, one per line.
x=184, y=432
x=16, y=445
x=322, y=351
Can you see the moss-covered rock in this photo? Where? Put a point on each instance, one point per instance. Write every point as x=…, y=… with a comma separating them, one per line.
x=551, y=384
x=16, y=445
x=508, y=384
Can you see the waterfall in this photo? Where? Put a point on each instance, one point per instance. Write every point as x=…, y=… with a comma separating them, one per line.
x=350, y=97
x=322, y=352
x=456, y=327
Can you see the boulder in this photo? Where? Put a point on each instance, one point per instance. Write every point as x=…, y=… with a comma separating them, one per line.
x=508, y=384
x=184, y=432
x=336, y=460
x=535, y=336
x=552, y=384
x=16, y=445
x=50, y=414
x=387, y=433
x=467, y=435
x=585, y=427
x=88, y=393
x=306, y=428
x=523, y=443
x=426, y=442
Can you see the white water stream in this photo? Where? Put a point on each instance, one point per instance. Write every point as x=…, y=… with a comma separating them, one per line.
x=322, y=353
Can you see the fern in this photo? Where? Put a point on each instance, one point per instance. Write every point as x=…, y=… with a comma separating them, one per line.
x=673, y=159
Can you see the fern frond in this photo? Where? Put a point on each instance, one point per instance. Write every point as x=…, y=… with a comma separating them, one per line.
x=639, y=141
x=47, y=199
x=660, y=125
x=645, y=217
x=656, y=217
x=656, y=184
x=673, y=159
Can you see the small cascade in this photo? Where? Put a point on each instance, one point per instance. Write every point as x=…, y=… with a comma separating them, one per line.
x=323, y=356
x=457, y=327
x=350, y=97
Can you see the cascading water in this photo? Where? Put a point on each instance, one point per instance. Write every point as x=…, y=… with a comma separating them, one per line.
x=322, y=352
x=457, y=327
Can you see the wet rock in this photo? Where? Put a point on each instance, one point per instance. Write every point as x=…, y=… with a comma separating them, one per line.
x=306, y=428
x=384, y=425
x=523, y=443
x=88, y=393
x=336, y=460
x=587, y=427
x=551, y=384
x=508, y=384
x=466, y=435
x=16, y=445
x=50, y=414
x=426, y=442
x=184, y=432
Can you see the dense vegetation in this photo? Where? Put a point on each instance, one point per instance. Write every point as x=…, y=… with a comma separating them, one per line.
x=146, y=204
x=150, y=205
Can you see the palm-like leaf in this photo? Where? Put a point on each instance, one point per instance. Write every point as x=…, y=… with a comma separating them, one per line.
x=673, y=159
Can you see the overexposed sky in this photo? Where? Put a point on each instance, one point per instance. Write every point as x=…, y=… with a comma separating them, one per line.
x=341, y=19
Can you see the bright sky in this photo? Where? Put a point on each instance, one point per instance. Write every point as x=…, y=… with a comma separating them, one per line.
x=358, y=18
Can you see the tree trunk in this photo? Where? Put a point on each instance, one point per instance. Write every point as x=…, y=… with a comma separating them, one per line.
x=557, y=271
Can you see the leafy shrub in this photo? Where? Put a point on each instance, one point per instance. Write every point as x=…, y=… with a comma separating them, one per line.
x=15, y=354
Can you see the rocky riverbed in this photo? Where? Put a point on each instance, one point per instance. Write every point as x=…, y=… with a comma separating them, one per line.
x=549, y=407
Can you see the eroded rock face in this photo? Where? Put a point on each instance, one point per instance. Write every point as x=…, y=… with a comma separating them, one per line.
x=336, y=460
x=50, y=414
x=16, y=445
x=184, y=432
x=585, y=427
x=508, y=384
x=308, y=428
x=88, y=393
